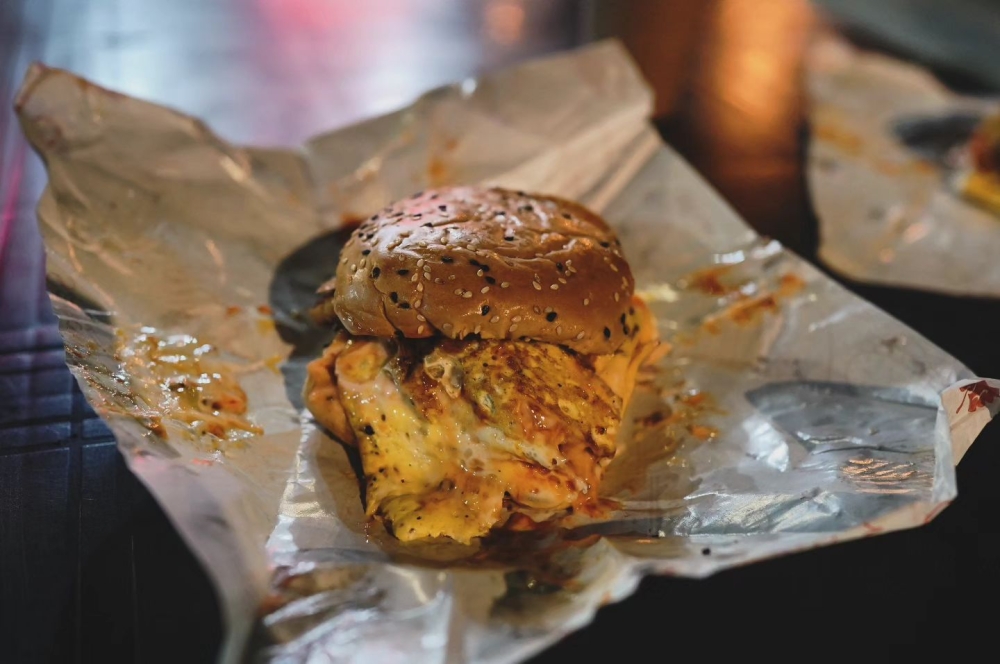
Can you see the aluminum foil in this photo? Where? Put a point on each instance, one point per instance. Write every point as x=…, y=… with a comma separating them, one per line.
x=891, y=134
x=788, y=415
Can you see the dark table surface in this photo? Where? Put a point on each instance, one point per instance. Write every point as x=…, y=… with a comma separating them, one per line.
x=90, y=568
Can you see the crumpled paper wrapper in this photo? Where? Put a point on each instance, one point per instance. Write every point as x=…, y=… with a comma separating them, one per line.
x=882, y=168
x=789, y=414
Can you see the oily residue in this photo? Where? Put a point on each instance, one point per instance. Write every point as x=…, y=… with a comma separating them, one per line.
x=746, y=310
x=439, y=173
x=709, y=281
x=844, y=139
x=187, y=384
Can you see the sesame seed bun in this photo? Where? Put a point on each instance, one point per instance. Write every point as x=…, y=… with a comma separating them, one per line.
x=494, y=263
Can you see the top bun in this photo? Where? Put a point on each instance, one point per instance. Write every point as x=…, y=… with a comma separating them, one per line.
x=498, y=264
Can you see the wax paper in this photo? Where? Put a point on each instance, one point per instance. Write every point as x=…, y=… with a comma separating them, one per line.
x=887, y=156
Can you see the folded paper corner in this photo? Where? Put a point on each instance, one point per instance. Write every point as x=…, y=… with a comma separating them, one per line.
x=969, y=406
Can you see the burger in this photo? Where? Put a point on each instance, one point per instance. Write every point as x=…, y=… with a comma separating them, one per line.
x=978, y=176
x=488, y=342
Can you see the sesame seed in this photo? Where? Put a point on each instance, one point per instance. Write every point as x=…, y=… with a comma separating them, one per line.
x=458, y=291
x=447, y=326
x=495, y=319
x=536, y=309
x=614, y=268
x=451, y=277
x=482, y=252
x=562, y=281
x=354, y=267
x=364, y=261
x=616, y=297
x=437, y=280
x=417, y=304
x=479, y=273
x=513, y=327
x=586, y=301
x=420, y=317
x=559, y=329
x=478, y=329
x=420, y=288
x=516, y=319
x=554, y=286
x=420, y=263
x=467, y=294
x=569, y=262
x=414, y=277
x=579, y=336
x=420, y=330
x=505, y=284
x=485, y=290
x=551, y=316
x=537, y=285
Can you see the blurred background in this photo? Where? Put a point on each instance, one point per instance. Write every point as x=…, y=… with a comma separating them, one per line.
x=92, y=570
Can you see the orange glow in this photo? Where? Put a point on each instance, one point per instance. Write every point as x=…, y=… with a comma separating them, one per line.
x=504, y=20
x=756, y=70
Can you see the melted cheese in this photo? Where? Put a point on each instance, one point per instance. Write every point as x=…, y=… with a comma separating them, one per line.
x=457, y=438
